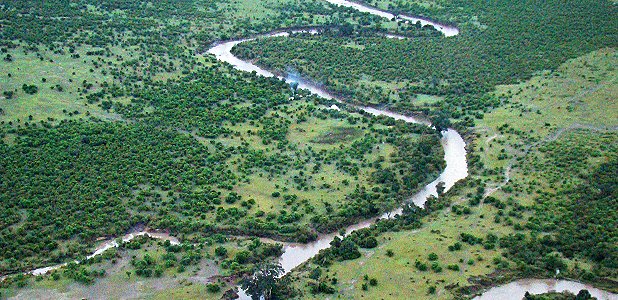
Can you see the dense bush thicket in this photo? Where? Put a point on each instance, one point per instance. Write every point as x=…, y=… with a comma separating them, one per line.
x=583, y=227
x=516, y=40
x=78, y=180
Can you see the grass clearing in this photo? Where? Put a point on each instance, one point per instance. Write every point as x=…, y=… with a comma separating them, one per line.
x=398, y=277
x=578, y=96
x=47, y=71
x=325, y=186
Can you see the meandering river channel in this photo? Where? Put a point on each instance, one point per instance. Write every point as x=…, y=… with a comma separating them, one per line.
x=454, y=155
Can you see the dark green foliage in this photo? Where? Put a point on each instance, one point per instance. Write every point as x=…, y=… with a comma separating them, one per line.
x=8, y=94
x=220, y=251
x=144, y=267
x=81, y=274
x=420, y=266
x=584, y=227
x=213, y=288
x=470, y=238
x=373, y=282
x=431, y=290
x=364, y=238
x=435, y=266
x=591, y=221
x=581, y=295
x=321, y=287
x=59, y=21
x=514, y=40
x=242, y=257
x=455, y=247
x=339, y=250
x=30, y=89
x=264, y=282
x=344, y=250
x=368, y=242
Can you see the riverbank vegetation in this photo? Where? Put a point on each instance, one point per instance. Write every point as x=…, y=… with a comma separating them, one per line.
x=185, y=160
x=517, y=214
x=515, y=42
x=112, y=118
x=64, y=53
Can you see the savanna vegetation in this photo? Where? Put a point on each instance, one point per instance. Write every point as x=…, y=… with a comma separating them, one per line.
x=185, y=159
x=110, y=121
x=113, y=118
x=514, y=41
x=517, y=214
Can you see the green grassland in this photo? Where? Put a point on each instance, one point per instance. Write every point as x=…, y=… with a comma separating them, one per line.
x=49, y=102
x=279, y=164
x=325, y=186
x=462, y=69
x=133, y=125
x=126, y=54
x=398, y=277
x=133, y=79
x=561, y=122
x=577, y=97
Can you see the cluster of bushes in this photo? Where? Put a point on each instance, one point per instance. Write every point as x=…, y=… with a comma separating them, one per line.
x=462, y=68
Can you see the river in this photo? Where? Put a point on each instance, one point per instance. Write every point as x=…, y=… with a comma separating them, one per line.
x=517, y=289
x=454, y=155
x=455, y=170
x=452, y=142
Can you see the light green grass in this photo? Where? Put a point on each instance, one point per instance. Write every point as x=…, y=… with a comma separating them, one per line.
x=397, y=276
x=57, y=69
x=305, y=135
x=70, y=73
x=578, y=95
x=581, y=91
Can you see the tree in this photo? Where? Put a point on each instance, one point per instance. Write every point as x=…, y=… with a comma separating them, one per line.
x=264, y=282
x=294, y=86
x=346, y=29
x=30, y=89
x=440, y=121
x=440, y=188
x=583, y=295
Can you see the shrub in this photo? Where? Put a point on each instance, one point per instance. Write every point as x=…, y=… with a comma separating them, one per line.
x=431, y=290
x=30, y=89
x=221, y=251
x=373, y=282
x=213, y=288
